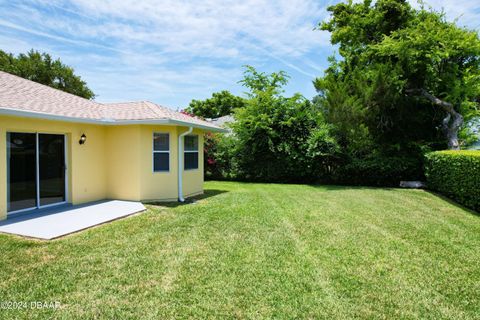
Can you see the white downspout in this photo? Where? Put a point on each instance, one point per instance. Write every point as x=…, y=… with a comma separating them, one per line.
x=180, y=164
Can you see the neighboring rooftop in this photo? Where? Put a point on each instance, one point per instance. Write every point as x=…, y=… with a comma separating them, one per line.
x=475, y=146
x=222, y=121
x=22, y=97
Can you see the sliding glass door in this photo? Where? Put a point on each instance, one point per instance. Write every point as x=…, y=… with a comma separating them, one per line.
x=51, y=162
x=22, y=171
x=36, y=170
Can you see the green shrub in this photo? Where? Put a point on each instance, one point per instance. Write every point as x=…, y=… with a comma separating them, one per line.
x=219, y=157
x=455, y=174
x=279, y=138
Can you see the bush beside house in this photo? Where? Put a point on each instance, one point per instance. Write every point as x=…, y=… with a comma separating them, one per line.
x=455, y=174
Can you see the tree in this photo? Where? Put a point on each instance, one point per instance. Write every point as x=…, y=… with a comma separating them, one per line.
x=279, y=138
x=422, y=60
x=220, y=104
x=41, y=68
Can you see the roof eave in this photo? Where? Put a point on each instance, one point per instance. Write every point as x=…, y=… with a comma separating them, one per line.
x=199, y=126
x=108, y=122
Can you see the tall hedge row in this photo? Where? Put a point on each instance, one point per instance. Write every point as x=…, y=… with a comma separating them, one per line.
x=455, y=174
x=380, y=171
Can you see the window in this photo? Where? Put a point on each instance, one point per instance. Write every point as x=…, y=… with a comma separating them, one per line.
x=191, y=152
x=161, y=152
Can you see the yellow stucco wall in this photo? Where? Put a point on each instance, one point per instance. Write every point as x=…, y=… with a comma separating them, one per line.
x=86, y=176
x=163, y=186
x=158, y=185
x=130, y=174
x=193, y=179
x=123, y=162
x=116, y=162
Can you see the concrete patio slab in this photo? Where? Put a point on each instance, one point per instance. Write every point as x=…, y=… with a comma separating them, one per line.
x=55, y=222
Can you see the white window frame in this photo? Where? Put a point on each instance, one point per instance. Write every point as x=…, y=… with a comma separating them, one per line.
x=160, y=151
x=191, y=151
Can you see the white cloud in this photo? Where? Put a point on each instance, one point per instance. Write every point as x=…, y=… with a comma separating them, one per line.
x=10, y=25
x=466, y=12
x=211, y=28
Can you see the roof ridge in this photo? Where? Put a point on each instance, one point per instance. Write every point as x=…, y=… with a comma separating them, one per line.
x=122, y=102
x=153, y=106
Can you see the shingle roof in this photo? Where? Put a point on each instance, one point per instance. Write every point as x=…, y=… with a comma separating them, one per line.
x=22, y=95
x=146, y=110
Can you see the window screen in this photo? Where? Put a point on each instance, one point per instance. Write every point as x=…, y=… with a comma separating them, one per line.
x=161, y=152
x=191, y=152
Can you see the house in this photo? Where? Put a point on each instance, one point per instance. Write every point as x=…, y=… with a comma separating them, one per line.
x=475, y=146
x=475, y=127
x=223, y=122
x=57, y=148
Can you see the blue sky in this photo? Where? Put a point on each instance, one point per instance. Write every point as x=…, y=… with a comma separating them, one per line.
x=172, y=51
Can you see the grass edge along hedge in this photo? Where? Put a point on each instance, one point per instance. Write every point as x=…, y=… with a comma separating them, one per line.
x=455, y=174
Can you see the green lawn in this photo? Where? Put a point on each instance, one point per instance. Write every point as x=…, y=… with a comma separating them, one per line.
x=260, y=251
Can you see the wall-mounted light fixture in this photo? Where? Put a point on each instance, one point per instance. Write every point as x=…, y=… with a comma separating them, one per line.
x=83, y=139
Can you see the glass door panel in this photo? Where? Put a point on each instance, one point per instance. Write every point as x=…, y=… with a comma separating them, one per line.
x=22, y=190
x=51, y=162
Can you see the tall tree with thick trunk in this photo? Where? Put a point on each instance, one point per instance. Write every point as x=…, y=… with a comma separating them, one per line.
x=452, y=121
x=429, y=62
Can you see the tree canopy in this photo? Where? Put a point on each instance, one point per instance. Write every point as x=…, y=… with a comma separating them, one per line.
x=279, y=138
x=404, y=75
x=220, y=104
x=41, y=68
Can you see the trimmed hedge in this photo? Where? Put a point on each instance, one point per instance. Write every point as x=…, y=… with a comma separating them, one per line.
x=379, y=171
x=455, y=174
